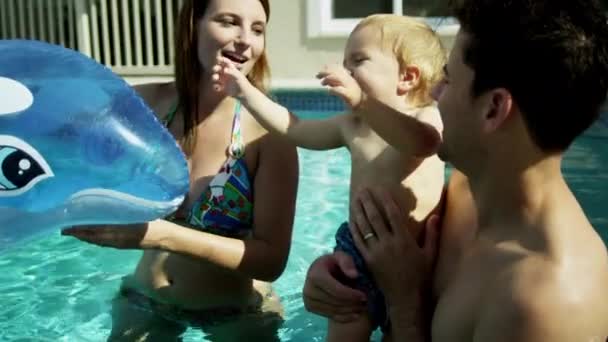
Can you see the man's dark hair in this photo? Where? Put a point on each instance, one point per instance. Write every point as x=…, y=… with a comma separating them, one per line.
x=552, y=55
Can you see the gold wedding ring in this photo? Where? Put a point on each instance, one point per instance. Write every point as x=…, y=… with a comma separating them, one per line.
x=368, y=236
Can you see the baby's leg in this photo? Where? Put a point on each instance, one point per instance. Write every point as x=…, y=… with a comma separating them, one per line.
x=355, y=331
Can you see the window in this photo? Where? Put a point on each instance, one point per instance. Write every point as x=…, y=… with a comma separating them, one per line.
x=337, y=18
x=344, y=9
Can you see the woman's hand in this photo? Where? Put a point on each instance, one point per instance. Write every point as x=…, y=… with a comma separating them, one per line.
x=341, y=84
x=324, y=294
x=228, y=79
x=133, y=236
x=400, y=267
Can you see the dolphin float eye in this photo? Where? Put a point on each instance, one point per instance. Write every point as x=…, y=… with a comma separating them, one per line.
x=21, y=166
x=14, y=96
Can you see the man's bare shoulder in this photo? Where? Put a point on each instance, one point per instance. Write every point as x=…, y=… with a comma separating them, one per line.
x=543, y=299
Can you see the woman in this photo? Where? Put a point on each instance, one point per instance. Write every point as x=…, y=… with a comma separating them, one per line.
x=208, y=265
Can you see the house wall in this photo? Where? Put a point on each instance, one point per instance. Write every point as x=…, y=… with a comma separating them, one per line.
x=295, y=58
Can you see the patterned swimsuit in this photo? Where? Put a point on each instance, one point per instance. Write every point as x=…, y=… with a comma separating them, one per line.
x=226, y=206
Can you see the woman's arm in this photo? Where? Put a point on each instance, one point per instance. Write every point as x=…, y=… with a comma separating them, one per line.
x=262, y=257
x=276, y=187
x=265, y=255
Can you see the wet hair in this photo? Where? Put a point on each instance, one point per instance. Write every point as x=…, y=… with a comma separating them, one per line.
x=552, y=55
x=414, y=43
x=188, y=69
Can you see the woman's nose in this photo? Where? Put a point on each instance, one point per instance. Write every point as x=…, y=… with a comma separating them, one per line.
x=244, y=37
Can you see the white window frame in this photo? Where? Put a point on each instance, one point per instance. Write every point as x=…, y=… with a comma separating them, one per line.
x=322, y=24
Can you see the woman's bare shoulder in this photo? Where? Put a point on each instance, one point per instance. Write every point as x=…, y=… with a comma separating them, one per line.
x=158, y=96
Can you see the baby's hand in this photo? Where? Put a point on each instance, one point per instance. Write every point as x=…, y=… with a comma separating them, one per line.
x=227, y=78
x=341, y=83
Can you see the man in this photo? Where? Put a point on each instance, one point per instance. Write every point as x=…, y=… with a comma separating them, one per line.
x=517, y=260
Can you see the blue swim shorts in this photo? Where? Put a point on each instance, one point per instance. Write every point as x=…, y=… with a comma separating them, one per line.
x=364, y=282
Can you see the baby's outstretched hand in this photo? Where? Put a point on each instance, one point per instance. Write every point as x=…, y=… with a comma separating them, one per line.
x=227, y=78
x=341, y=84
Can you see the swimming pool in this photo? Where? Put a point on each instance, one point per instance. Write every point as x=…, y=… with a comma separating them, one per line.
x=59, y=289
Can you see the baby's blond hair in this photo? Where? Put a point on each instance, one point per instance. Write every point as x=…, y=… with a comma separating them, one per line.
x=414, y=43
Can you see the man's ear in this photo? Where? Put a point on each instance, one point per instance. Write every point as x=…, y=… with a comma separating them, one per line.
x=409, y=78
x=499, y=109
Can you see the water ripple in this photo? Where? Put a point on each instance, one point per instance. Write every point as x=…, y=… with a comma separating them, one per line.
x=58, y=289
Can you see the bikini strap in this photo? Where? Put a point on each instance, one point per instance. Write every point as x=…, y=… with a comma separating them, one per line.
x=237, y=148
x=170, y=115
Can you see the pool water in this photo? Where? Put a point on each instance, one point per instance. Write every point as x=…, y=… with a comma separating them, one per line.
x=59, y=289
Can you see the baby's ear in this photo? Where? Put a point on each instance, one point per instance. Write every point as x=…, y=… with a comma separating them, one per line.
x=409, y=77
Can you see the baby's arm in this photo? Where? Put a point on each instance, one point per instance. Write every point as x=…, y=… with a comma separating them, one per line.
x=417, y=135
x=311, y=134
x=413, y=135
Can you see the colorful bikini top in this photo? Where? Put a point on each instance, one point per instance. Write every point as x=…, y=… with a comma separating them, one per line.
x=226, y=206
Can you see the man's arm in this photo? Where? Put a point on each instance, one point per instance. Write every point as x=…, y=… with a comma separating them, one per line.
x=401, y=268
x=410, y=320
x=325, y=295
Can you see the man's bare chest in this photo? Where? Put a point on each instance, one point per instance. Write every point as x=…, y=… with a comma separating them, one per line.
x=461, y=301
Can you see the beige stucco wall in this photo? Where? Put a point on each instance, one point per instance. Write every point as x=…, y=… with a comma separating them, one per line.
x=295, y=58
x=292, y=55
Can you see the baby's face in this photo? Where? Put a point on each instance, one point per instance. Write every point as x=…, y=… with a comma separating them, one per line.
x=373, y=66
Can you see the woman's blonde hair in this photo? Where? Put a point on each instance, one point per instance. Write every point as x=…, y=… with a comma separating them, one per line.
x=414, y=43
x=188, y=69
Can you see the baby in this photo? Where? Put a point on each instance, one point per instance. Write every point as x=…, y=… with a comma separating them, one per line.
x=396, y=60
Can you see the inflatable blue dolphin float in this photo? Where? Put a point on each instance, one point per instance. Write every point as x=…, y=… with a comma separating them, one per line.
x=78, y=146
